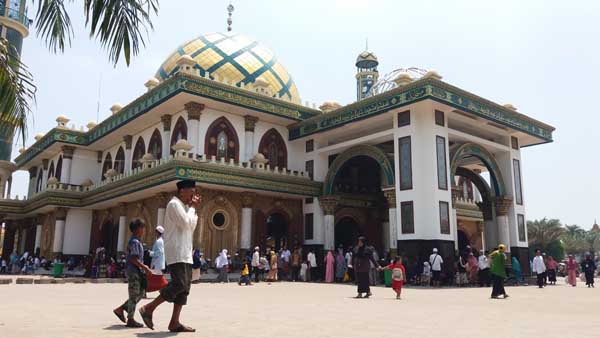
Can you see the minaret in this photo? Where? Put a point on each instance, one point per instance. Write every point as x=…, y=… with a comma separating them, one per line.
x=14, y=27
x=366, y=73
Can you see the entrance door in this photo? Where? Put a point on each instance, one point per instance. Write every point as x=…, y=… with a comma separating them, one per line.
x=110, y=234
x=277, y=230
x=346, y=232
x=463, y=241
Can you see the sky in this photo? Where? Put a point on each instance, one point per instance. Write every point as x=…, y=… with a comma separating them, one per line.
x=541, y=56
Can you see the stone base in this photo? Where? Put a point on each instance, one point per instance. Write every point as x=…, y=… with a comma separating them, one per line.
x=522, y=255
x=24, y=280
x=5, y=281
x=419, y=249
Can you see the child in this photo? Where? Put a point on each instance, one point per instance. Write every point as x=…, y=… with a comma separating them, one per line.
x=245, y=274
x=303, y=271
x=398, y=275
x=136, y=271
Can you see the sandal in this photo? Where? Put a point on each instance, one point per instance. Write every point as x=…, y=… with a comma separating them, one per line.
x=147, y=318
x=182, y=328
x=120, y=316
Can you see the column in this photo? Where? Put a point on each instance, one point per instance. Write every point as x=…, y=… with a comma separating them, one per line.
x=246, y=226
x=163, y=199
x=194, y=111
x=250, y=123
x=392, y=245
x=22, y=240
x=3, y=186
x=38, y=238
x=128, y=153
x=9, y=187
x=122, y=227
x=329, y=204
x=32, y=181
x=166, y=136
x=68, y=151
x=502, y=207
x=44, y=173
x=59, y=230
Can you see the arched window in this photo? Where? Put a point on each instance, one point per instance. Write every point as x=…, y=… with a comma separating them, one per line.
x=107, y=165
x=40, y=178
x=51, y=170
x=179, y=132
x=155, y=145
x=138, y=152
x=272, y=146
x=119, y=165
x=222, y=141
x=58, y=168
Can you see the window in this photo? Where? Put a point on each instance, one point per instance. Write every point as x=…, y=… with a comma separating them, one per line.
x=514, y=142
x=119, y=165
x=310, y=146
x=444, y=218
x=407, y=217
x=222, y=145
x=404, y=118
x=138, y=153
x=405, y=163
x=440, y=148
x=107, y=165
x=221, y=141
x=308, y=226
x=439, y=118
x=218, y=219
x=310, y=168
x=517, y=174
x=179, y=132
x=155, y=146
x=272, y=146
x=521, y=227
x=309, y=200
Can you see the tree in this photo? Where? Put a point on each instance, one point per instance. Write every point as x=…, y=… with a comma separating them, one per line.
x=545, y=231
x=573, y=239
x=592, y=242
x=119, y=26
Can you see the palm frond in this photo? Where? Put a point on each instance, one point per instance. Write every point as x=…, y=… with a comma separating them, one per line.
x=53, y=24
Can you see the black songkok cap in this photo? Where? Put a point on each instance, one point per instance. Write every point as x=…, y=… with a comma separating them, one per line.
x=186, y=184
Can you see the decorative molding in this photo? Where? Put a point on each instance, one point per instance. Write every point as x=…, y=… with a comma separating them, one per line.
x=128, y=139
x=390, y=195
x=250, y=122
x=33, y=172
x=45, y=164
x=99, y=156
x=60, y=214
x=68, y=152
x=248, y=199
x=166, y=121
x=502, y=206
x=329, y=204
x=194, y=110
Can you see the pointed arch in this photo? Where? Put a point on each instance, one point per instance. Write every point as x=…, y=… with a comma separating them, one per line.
x=58, y=170
x=138, y=151
x=107, y=164
x=51, y=170
x=180, y=131
x=272, y=146
x=40, y=178
x=155, y=145
x=222, y=141
x=119, y=164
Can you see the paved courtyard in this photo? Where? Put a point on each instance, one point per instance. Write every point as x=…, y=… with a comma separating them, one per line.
x=306, y=310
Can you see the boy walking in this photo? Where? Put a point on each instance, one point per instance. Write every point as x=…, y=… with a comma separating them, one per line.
x=136, y=277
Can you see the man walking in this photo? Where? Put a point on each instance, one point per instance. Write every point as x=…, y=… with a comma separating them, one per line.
x=484, y=269
x=180, y=222
x=436, y=262
x=498, y=271
x=256, y=263
x=158, y=252
x=539, y=267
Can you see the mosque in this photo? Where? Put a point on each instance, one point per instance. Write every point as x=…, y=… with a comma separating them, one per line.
x=414, y=163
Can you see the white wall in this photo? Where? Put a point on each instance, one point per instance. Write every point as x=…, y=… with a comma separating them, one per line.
x=78, y=227
x=84, y=165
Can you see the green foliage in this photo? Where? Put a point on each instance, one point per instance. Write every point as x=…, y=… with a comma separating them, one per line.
x=552, y=237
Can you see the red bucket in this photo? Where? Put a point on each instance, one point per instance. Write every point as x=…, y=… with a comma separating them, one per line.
x=155, y=282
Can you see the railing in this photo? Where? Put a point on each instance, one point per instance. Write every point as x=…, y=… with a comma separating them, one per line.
x=16, y=15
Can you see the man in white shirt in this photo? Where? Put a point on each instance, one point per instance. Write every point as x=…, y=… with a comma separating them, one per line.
x=180, y=222
x=256, y=263
x=436, y=261
x=483, y=267
x=539, y=268
x=158, y=252
x=312, y=264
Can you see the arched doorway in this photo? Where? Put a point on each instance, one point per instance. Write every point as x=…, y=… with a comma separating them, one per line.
x=346, y=232
x=277, y=230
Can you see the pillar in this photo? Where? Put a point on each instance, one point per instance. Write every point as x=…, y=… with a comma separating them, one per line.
x=3, y=186
x=9, y=187
x=163, y=199
x=166, y=136
x=128, y=153
x=38, y=238
x=246, y=225
x=392, y=236
x=329, y=205
x=22, y=240
x=194, y=111
x=32, y=181
x=502, y=207
x=250, y=124
x=122, y=228
x=44, y=173
x=59, y=230
x=65, y=176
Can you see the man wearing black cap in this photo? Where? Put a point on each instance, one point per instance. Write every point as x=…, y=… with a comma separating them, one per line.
x=180, y=222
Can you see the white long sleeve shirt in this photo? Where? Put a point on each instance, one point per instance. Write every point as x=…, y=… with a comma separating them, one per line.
x=180, y=223
x=158, y=255
x=538, y=265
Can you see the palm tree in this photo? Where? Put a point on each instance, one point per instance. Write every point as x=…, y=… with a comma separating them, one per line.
x=592, y=242
x=544, y=232
x=574, y=230
x=119, y=25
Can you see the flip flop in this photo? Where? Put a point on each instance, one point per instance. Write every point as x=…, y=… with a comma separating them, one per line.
x=182, y=328
x=146, y=318
x=120, y=316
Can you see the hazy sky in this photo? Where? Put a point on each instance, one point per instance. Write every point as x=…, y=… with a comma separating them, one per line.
x=541, y=56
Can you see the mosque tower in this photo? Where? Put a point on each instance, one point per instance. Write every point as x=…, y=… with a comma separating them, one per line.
x=14, y=27
x=366, y=73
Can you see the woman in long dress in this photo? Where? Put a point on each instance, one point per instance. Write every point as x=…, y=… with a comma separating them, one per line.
x=572, y=271
x=361, y=261
x=329, y=263
x=340, y=266
x=272, y=275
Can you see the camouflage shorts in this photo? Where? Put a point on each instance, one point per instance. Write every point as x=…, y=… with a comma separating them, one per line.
x=136, y=292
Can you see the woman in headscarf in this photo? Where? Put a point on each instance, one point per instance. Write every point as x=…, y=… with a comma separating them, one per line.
x=272, y=275
x=516, y=268
x=572, y=271
x=588, y=266
x=222, y=263
x=361, y=261
x=472, y=268
x=340, y=265
x=329, y=266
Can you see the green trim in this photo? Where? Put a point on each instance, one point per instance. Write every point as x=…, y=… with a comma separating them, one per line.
x=472, y=149
x=422, y=89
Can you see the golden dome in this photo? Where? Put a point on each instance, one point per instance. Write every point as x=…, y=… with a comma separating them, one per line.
x=236, y=58
x=367, y=60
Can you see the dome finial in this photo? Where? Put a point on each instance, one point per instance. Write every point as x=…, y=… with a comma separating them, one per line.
x=230, y=9
x=367, y=44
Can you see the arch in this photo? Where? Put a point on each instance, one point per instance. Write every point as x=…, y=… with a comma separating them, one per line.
x=40, y=178
x=481, y=185
x=119, y=164
x=360, y=150
x=107, y=164
x=469, y=149
x=180, y=131
x=219, y=131
x=58, y=170
x=346, y=231
x=51, y=170
x=272, y=146
x=138, y=151
x=155, y=145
